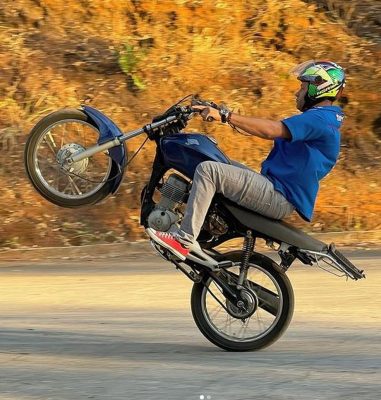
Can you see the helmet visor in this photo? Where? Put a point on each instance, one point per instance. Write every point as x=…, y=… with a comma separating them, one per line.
x=300, y=68
x=314, y=78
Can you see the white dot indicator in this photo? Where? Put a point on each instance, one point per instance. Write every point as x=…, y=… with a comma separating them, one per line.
x=202, y=397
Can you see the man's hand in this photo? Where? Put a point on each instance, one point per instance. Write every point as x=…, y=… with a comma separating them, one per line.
x=263, y=128
x=208, y=113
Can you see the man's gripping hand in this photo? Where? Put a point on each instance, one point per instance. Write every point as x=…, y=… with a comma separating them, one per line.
x=209, y=111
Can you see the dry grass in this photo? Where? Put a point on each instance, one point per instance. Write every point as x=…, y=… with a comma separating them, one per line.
x=60, y=53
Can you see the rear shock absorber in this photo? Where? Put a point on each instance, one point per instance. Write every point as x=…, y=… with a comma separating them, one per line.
x=247, y=251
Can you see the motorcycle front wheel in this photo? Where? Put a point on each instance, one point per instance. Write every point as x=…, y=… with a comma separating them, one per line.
x=55, y=138
x=220, y=321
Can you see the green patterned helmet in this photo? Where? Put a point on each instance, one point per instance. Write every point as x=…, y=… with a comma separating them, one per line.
x=325, y=79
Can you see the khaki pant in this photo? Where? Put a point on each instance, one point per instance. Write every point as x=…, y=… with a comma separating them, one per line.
x=237, y=183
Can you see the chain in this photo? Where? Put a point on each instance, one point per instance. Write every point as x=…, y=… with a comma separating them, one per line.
x=216, y=298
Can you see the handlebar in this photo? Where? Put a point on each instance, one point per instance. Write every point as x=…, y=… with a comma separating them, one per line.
x=198, y=102
x=150, y=128
x=177, y=117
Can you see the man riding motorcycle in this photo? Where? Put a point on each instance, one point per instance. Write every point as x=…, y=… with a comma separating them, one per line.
x=306, y=148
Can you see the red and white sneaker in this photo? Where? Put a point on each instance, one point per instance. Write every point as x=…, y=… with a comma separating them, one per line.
x=170, y=242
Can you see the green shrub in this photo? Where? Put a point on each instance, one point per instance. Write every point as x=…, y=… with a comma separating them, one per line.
x=129, y=59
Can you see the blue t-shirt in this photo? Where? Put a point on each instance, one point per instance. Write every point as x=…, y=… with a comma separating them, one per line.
x=296, y=166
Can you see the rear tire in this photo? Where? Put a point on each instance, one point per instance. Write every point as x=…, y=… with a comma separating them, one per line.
x=203, y=320
x=42, y=128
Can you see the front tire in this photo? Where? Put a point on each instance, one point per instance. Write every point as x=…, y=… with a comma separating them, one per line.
x=230, y=337
x=56, y=136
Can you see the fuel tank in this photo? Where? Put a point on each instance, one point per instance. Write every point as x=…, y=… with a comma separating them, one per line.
x=184, y=152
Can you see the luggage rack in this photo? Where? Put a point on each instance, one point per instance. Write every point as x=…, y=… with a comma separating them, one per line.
x=333, y=262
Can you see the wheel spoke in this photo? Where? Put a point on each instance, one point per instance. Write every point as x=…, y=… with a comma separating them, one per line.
x=51, y=145
x=81, y=134
x=219, y=309
x=49, y=164
x=259, y=320
x=243, y=328
x=59, y=175
x=73, y=184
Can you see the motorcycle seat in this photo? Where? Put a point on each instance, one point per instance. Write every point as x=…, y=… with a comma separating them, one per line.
x=277, y=230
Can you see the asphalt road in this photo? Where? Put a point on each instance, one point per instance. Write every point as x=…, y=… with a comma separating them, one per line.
x=122, y=329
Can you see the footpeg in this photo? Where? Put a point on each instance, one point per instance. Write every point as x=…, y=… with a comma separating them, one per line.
x=225, y=264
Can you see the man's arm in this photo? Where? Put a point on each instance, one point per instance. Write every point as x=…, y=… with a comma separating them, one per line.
x=263, y=128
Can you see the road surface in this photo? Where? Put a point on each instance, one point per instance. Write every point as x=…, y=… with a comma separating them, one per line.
x=122, y=329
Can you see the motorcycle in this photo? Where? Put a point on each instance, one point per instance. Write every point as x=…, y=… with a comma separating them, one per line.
x=245, y=301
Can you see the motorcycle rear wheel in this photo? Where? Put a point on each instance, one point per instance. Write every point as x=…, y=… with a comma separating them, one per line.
x=232, y=333
x=55, y=137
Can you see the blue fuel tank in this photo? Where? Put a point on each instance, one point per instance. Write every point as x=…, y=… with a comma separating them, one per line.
x=184, y=152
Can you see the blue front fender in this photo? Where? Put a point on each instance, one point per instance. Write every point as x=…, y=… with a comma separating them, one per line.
x=109, y=131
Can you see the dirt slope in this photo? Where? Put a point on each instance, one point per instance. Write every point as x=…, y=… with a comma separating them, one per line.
x=133, y=59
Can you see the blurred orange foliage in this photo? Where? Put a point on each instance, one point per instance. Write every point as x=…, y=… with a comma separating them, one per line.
x=132, y=59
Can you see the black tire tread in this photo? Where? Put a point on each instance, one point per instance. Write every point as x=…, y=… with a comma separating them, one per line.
x=56, y=116
x=281, y=326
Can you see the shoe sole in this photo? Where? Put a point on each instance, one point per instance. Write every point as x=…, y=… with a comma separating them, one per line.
x=171, y=249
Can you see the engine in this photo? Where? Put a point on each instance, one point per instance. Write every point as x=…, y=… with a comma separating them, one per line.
x=173, y=194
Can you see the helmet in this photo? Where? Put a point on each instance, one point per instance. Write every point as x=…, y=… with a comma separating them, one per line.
x=325, y=80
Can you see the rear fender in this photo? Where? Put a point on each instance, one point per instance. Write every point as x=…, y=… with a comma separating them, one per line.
x=109, y=131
